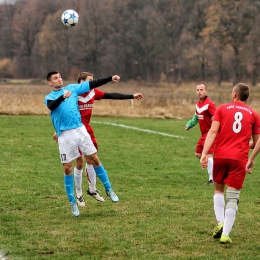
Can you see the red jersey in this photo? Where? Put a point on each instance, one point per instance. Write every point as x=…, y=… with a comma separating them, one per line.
x=205, y=111
x=237, y=124
x=86, y=101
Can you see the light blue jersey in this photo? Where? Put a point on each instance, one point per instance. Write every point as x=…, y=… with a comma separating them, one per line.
x=66, y=116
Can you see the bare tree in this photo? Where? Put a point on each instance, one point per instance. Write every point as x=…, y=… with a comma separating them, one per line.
x=230, y=21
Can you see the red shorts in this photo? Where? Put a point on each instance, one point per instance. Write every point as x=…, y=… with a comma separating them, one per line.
x=230, y=172
x=91, y=133
x=201, y=142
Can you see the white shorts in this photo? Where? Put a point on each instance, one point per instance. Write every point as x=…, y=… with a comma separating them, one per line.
x=71, y=141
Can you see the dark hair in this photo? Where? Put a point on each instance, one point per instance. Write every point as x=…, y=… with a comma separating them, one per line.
x=83, y=76
x=242, y=90
x=50, y=74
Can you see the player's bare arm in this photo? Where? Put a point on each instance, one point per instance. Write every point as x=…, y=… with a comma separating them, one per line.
x=55, y=137
x=250, y=163
x=253, y=142
x=249, y=166
x=208, y=142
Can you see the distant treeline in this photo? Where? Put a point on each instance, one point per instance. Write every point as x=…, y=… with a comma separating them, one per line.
x=149, y=40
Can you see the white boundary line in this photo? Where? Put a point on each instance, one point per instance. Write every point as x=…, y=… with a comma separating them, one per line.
x=139, y=129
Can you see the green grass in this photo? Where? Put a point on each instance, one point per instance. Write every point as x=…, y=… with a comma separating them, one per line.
x=165, y=210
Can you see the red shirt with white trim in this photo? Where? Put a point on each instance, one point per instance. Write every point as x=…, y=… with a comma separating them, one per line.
x=205, y=111
x=237, y=124
x=85, y=103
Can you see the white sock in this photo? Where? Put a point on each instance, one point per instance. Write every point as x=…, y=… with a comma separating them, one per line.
x=92, y=178
x=210, y=168
x=230, y=216
x=78, y=181
x=219, y=207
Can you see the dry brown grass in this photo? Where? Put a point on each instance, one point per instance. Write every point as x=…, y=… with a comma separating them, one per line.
x=160, y=101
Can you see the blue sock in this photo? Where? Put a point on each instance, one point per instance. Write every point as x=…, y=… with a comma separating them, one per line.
x=102, y=175
x=69, y=187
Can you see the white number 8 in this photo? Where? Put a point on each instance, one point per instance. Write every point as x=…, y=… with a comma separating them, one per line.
x=237, y=125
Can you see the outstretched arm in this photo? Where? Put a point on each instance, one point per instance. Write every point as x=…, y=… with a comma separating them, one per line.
x=99, y=82
x=120, y=96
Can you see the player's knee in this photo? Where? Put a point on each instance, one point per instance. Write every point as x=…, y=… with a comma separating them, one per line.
x=232, y=199
x=93, y=160
x=79, y=163
x=67, y=167
x=198, y=155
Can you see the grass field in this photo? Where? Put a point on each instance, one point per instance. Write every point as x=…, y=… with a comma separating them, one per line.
x=165, y=210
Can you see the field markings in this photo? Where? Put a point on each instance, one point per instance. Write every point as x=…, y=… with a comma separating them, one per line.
x=140, y=129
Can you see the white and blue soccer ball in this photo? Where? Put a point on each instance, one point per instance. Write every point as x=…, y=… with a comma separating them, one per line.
x=70, y=18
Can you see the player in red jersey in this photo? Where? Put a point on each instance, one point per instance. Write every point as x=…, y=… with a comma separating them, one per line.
x=205, y=110
x=85, y=102
x=235, y=123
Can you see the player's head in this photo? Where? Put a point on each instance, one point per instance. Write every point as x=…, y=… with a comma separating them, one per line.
x=201, y=90
x=84, y=76
x=240, y=92
x=54, y=79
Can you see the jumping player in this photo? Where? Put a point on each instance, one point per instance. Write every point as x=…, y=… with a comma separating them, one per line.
x=85, y=103
x=72, y=134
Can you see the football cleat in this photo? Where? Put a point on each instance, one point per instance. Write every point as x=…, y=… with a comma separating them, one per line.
x=81, y=201
x=218, y=230
x=209, y=182
x=112, y=195
x=74, y=209
x=225, y=239
x=95, y=194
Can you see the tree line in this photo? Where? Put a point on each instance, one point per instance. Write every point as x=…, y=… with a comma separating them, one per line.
x=149, y=40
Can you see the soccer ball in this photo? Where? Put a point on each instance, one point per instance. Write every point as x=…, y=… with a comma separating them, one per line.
x=70, y=18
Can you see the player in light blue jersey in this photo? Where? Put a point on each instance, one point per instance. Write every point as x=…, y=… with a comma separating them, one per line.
x=73, y=136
